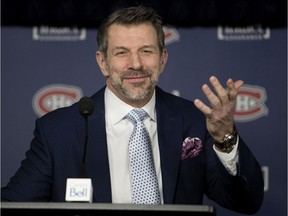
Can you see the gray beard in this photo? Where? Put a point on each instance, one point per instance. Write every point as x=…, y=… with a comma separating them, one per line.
x=140, y=95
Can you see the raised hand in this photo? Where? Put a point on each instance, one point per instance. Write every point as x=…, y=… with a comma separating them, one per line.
x=220, y=114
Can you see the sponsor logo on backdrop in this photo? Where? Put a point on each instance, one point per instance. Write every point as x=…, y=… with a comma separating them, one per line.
x=171, y=35
x=55, y=96
x=250, y=103
x=52, y=33
x=253, y=32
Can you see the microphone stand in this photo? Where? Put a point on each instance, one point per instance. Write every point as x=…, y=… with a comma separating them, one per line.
x=83, y=167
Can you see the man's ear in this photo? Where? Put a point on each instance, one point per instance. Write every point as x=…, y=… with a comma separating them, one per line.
x=101, y=63
x=164, y=58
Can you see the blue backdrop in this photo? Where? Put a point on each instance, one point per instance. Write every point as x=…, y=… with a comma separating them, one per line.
x=45, y=67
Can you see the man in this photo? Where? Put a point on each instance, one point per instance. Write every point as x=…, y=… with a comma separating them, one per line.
x=196, y=147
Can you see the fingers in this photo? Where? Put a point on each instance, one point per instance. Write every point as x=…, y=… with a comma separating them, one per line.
x=221, y=92
x=223, y=96
x=214, y=100
x=202, y=107
x=232, y=88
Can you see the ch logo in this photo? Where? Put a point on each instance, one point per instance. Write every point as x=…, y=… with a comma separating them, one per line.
x=250, y=103
x=53, y=97
x=171, y=35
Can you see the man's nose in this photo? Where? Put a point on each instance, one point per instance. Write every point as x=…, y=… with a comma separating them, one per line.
x=135, y=61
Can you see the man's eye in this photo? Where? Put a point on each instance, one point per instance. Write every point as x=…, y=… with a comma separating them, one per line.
x=147, y=51
x=120, y=53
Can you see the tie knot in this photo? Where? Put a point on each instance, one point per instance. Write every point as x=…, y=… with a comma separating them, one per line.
x=136, y=115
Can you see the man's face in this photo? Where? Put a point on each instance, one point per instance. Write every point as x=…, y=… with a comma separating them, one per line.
x=134, y=62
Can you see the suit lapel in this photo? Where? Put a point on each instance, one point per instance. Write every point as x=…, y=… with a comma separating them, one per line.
x=97, y=154
x=169, y=134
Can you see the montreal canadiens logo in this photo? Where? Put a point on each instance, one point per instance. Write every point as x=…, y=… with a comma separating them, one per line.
x=250, y=103
x=53, y=97
x=171, y=35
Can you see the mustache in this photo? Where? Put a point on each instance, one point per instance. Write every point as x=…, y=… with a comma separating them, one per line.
x=137, y=73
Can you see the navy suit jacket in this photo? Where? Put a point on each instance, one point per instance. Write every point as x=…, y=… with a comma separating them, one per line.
x=57, y=149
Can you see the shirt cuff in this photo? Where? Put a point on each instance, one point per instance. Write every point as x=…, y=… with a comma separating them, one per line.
x=229, y=160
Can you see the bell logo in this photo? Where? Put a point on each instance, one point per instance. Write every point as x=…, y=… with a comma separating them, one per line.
x=250, y=103
x=82, y=192
x=53, y=97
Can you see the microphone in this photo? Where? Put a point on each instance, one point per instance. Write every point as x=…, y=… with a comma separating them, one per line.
x=85, y=108
x=80, y=189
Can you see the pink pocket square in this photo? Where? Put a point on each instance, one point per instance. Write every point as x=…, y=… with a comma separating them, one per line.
x=191, y=147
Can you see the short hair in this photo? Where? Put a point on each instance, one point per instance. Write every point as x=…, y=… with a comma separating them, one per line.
x=129, y=16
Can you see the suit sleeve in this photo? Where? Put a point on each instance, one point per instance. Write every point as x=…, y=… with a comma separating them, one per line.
x=32, y=181
x=242, y=193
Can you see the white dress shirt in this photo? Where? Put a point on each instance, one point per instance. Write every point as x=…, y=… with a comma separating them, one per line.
x=119, y=130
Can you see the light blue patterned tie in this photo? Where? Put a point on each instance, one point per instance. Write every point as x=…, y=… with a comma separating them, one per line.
x=145, y=188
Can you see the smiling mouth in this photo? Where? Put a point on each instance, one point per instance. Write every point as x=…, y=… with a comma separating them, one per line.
x=136, y=79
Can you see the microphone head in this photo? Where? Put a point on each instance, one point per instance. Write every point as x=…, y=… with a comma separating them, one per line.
x=86, y=106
